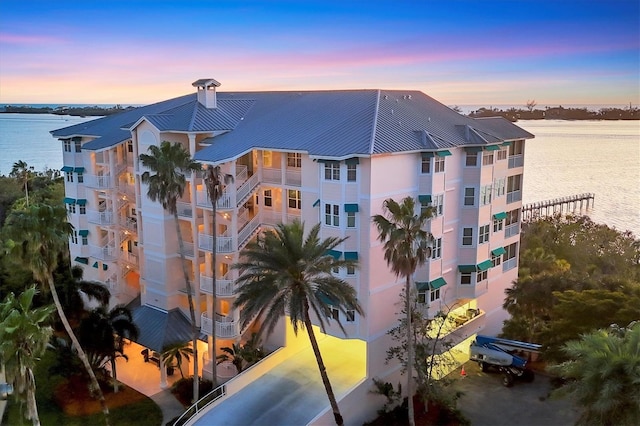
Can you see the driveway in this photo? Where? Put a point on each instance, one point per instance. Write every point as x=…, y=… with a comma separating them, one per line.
x=486, y=402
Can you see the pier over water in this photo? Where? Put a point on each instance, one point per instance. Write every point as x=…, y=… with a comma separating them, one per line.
x=561, y=205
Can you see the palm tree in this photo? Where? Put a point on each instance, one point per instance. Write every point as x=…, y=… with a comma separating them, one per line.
x=169, y=162
x=71, y=288
x=23, y=339
x=406, y=246
x=39, y=234
x=173, y=354
x=604, y=376
x=215, y=181
x=103, y=334
x=283, y=271
x=22, y=171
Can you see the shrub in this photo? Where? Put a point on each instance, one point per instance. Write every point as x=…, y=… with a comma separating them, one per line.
x=183, y=389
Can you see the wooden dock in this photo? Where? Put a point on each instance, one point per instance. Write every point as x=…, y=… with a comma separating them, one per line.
x=561, y=205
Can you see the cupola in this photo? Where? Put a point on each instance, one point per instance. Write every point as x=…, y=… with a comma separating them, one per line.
x=206, y=91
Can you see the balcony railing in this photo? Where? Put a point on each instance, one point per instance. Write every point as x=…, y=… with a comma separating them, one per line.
x=224, y=244
x=226, y=327
x=224, y=203
x=246, y=189
x=514, y=196
x=100, y=182
x=245, y=233
x=225, y=286
x=511, y=230
x=516, y=161
x=270, y=175
x=293, y=177
x=106, y=252
x=188, y=249
x=100, y=218
x=509, y=264
x=184, y=209
x=130, y=258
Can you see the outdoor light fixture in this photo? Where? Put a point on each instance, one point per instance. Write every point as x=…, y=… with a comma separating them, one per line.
x=6, y=389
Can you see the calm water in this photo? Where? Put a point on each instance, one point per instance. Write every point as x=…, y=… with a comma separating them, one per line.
x=565, y=158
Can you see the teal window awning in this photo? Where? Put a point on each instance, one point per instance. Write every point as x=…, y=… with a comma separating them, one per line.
x=83, y=232
x=444, y=153
x=350, y=255
x=500, y=216
x=334, y=253
x=327, y=300
x=83, y=260
x=79, y=169
x=466, y=268
x=498, y=252
x=492, y=148
x=424, y=199
x=473, y=149
x=328, y=161
x=437, y=283
x=506, y=144
x=95, y=265
x=67, y=169
x=68, y=200
x=81, y=202
x=349, y=208
x=422, y=285
x=427, y=154
x=483, y=266
x=317, y=203
x=354, y=160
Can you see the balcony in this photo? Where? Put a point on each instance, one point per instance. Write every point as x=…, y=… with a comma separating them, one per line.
x=293, y=177
x=270, y=175
x=98, y=182
x=184, y=209
x=224, y=244
x=187, y=249
x=516, y=161
x=224, y=203
x=226, y=327
x=130, y=224
x=514, y=196
x=129, y=258
x=511, y=230
x=105, y=252
x=225, y=286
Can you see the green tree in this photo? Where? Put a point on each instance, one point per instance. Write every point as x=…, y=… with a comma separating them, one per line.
x=24, y=334
x=103, y=332
x=39, y=235
x=406, y=246
x=284, y=271
x=245, y=355
x=173, y=355
x=215, y=181
x=23, y=172
x=603, y=375
x=71, y=287
x=168, y=164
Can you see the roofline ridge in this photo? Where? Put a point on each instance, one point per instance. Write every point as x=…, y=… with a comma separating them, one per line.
x=375, y=123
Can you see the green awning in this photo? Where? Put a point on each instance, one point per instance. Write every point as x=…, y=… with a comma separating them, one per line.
x=83, y=260
x=350, y=255
x=67, y=169
x=492, y=148
x=499, y=251
x=326, y=299
x=95, y=265
x=444, y=153
x=81, y=202
x=334, y=253
x=349, y=208
x=427, y=154
x=69, y=200
x=422, y=285
x=506, y=144
x=328, y=161
x=424, y=199
x=316, y=203
x=500, y=216
x=466, y=268
x=105, y=266
x=473, y=149
x=79, y=170
x=437, y=283
x=83, y=232
x=483, y=266
x=354, y=160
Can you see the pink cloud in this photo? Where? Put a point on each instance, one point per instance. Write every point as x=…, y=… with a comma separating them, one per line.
x=28, y=39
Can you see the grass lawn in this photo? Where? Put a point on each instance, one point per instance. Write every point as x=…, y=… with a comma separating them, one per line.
x=138, y=409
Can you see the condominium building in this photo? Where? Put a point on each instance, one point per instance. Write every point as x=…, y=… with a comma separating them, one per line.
x=328, y=157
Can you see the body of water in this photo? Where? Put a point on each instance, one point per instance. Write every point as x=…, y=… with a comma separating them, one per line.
x=565, y=158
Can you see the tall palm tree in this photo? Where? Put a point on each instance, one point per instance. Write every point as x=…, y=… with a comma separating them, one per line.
x=24, y=335
x=40, y=233
x=406, y=246
x=22, y=171
x=283, y=271
x=604, y=376
x=72, y=287
x=103, y=333
x=215, y=180
x=168, y=164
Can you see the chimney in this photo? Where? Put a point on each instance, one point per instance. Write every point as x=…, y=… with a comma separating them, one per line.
x=206, y=91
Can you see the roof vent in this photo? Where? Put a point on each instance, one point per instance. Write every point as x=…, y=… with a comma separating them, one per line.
x=207, y=91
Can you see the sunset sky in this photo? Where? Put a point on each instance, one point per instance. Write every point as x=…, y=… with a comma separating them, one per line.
x=461, y=52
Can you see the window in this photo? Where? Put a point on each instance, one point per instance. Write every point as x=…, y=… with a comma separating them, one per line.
x=502, y=154
x=334, y=313
x=74, y=235
x=294, y=160
x=516, y=148
x=499, y=186
x=130, y=146
x=469, y=196
x=509, y=258
x=268, y=198
x=467, y=236
x=514, y=186
x=294, y=199
x=434, y=294
x=483, y=234
x=465, y=278
x=497, y=225
x=67, y=145
x=425, y=165
x=495, y=260
x=83, y=209
x=351, y=315
x=351, y=219
x=71, y=207
x=481, y=276
x=436, y=251
x=512, y=217
x=80, y=178
x=472, y=159
x=85, y=240
x=351, y=270
x=78, y=145
x=351, y=172
x=487, y=158
x=438, y=165
x=485, y=195
x=425, y=204
x=267, y=158
x=69, y=176
x=332, y=170
x=437, y=204
x=512, y=226
x=422, y=297
x=332, y=214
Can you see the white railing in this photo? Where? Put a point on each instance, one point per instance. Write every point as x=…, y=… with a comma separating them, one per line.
x=246, y=232
x=514, y=196
x=225, y=286
x=93, y=181
x=188, y=249
x=107, y=252
x=242, y=173
x=184, y=209
x=130, y=258
x=224, y=203
x=119, y=168
x=224, y=244
x=247, y=188
x=100, y=218
x=509, y=264
x=516, y=161
x=126, y=189
x=130, y=224
x=293, y=178
x=270, y=217
x=272, y=175
x=206, y=324
x=226, y=327
x=511, y=230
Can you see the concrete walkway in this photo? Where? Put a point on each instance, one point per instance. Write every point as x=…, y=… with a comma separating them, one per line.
x=170, y=406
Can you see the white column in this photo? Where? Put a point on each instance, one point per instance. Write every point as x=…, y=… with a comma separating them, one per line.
x=163, y=375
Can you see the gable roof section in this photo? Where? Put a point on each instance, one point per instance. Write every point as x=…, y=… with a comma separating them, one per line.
x=159, y=329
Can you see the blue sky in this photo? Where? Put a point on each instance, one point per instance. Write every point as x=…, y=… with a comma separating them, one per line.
x=461, y=52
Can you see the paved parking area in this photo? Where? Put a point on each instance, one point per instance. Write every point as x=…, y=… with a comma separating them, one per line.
x=486, y=402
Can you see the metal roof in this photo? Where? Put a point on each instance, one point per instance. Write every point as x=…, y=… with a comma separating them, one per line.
x=160, y=329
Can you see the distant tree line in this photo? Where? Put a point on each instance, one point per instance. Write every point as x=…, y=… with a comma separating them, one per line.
x=559, y=113
x=92, y=111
